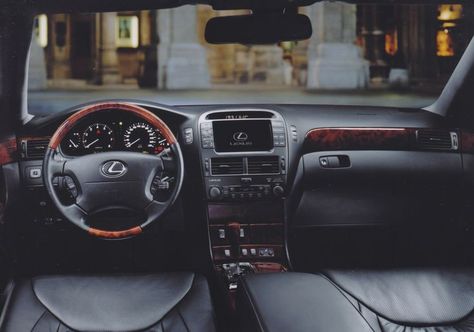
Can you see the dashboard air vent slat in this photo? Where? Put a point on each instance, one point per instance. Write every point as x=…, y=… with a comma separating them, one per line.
x=263, y=165
x=225, y=166
x=36, y=149
x=437, y=139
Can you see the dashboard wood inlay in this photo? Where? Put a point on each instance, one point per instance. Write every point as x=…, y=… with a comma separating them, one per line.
x=143, y=113
x=8, y=151
x=330, y=139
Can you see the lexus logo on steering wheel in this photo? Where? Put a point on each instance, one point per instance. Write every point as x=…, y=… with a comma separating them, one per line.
x=114, y=169
x=240, y=136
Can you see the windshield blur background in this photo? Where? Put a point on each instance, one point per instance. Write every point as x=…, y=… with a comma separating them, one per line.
x=358, y=55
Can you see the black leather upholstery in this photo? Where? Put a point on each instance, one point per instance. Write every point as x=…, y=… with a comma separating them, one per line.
x=295, y=302
x=158, y=302
x=408, y=300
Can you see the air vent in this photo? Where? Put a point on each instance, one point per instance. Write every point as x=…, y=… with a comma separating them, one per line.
x=226, y=166
x=263, y=165
x=36, y=149
x=437, y=140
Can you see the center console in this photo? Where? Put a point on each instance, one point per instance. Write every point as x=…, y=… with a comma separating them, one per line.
x=244, y=161
x=244, y=155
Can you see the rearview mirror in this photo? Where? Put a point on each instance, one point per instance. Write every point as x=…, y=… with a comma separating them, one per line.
x=262, y=28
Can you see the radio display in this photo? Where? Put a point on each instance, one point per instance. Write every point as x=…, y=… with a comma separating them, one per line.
x=242, y=135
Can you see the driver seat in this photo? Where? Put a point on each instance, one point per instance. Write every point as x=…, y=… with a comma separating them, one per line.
x=153, y=302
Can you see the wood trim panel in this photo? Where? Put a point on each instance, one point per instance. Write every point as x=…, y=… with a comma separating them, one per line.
x=146, y=115
x=265, y=267
x=8, y=151
x=331, y=139
x=115, y=234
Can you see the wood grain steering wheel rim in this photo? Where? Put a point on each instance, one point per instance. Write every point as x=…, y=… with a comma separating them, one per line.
x=63, y=130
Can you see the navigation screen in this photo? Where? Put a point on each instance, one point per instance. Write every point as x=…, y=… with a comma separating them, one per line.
x=242, y=135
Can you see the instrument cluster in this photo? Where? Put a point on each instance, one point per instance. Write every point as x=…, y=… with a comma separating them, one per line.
x=113, y=131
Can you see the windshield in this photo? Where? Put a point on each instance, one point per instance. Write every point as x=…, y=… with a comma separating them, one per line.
x=385, y=55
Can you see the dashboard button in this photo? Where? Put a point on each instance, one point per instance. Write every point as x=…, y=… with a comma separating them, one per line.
x=34, y=172
x=188, y=135
x=324, y=162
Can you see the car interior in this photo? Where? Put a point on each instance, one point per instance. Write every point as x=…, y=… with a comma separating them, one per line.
x=121, y=214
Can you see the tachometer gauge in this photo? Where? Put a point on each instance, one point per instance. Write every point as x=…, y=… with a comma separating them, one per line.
x=98, y=137
x=140, y=137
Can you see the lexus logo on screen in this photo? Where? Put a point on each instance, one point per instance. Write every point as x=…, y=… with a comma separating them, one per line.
x=240, y=136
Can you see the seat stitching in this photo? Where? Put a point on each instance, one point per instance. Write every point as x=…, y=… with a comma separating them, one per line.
x=182, y=318
x=379, y=322
x=345, y=296
x=452, y=324
x=252, y=304
x=46, y=308
x=441, y=324
x=177, y=303
x=6, y=303
x=147, y=327
x=39, y=319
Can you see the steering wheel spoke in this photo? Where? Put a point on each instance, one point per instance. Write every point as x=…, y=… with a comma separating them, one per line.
x=76, y=212
x=153, y=210
x=55, y=164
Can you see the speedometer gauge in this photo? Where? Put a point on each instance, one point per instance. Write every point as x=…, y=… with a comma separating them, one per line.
x=142, y=137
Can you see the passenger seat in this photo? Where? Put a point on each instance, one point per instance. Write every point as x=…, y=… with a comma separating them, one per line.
x=421, y=300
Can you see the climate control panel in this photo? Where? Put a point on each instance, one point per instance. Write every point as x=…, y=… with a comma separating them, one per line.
x=245, y=188
x=244, y=155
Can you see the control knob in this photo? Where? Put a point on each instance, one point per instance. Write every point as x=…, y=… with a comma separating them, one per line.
x=215, y=193
x=278, y=191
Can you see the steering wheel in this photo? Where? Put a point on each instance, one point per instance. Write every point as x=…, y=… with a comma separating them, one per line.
x=115, y=180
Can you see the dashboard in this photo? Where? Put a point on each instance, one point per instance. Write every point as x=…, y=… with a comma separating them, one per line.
x=252, y=170
x=113, y=130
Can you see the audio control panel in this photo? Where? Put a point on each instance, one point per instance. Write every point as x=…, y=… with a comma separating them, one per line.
x=245, y=188
x=243, y=155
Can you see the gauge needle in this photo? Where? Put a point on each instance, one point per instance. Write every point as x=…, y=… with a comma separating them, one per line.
x=89, y=145
x=135, y=141
x=73, y=144
x=162, y=141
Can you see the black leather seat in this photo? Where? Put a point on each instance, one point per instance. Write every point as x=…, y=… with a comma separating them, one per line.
x=408, y=300
x=158, y=302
